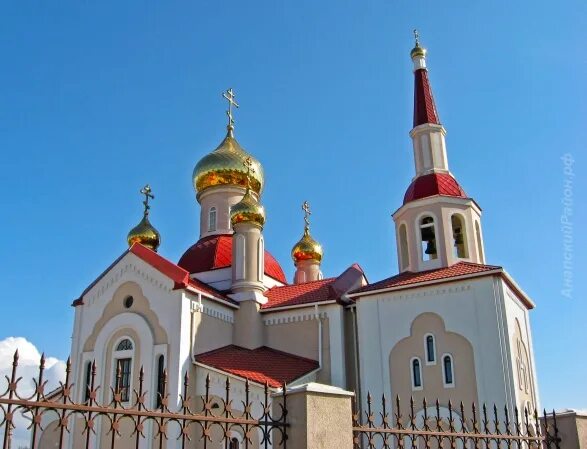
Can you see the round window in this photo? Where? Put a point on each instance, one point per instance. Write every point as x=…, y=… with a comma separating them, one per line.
x=128, y=302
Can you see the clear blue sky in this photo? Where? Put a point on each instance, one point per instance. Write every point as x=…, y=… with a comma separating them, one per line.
x=96, y=99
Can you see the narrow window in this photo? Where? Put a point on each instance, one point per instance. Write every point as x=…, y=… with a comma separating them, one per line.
x=416, y=374
x=448, y=370
x=160, y=380
x=234, y=444
x=260, y=259
x=122, y=376
x=430, y=350
x=240, y=257
x=479, y=242
x=459, y=237
x=403, y=247
x=88, y=381
x=428, y=238
x=212, y=219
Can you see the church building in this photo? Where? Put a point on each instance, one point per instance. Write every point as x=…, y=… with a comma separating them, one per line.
x=447, y=326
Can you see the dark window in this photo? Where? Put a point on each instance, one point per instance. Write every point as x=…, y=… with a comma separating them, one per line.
x=160, y=380
x=234, y=444
x=88, y=381
x=124, y=345
x=123, y=378
x=448, y=378
x=430, y=356
x=416, y=373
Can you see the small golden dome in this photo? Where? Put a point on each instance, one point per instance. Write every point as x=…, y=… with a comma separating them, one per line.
x=145, y=234
x=307, y=249
x=417, y=51
x=247, y=210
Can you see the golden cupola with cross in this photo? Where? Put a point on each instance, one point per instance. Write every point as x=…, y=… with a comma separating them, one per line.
x=307, y=253
x=145, y=233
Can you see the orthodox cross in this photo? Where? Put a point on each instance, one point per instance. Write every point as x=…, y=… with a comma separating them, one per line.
x=307, y=213
x=417, y=37
x=230, y=97
x=148, y=195
x=248, y=163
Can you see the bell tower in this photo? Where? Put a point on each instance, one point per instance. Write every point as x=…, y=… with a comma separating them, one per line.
x=438, y=225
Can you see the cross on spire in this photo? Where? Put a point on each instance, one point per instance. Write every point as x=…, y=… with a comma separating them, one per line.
x=248, y=163
x=148, y=195
x=417, y=37
x=230, y=97
x=307, y=213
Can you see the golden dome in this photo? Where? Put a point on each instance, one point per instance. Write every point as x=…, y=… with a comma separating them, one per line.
x=224, y=166
x=417, y=51
x=247, y=210
x=307, y=249
x=145, y=234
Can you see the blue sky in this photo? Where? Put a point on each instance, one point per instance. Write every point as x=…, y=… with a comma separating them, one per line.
x=97, y=99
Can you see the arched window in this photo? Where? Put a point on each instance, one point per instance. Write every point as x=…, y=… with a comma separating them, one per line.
x=234, y=444
x=430, y=349
x=428, y=238
x=403, y=247
x=212, y=219
x=416, y=368
x=123, y=355
x=459, y=236
x=479, y=242
x=160, y=380
x=87, y=381
x=448, y=370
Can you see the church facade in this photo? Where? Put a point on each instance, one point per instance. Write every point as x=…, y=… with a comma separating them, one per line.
x=447, y=326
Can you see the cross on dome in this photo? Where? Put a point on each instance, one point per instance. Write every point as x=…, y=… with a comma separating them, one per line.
x=230, y=97
x=307, y=213
x=148, y=195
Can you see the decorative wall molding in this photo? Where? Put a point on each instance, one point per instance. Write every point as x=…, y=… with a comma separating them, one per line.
x=286, y=318
x=447, y=290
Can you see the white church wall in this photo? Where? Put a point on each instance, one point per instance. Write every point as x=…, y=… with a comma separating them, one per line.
x=468, y=308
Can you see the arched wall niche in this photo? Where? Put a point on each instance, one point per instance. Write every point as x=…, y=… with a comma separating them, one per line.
x=446, y=342
x=140, y=306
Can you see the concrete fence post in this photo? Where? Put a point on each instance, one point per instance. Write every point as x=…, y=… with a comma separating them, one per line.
x=319, y=417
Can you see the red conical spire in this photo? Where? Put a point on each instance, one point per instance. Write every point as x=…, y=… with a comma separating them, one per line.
x=424, y=107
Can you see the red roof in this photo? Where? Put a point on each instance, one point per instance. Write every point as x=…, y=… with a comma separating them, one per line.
x=215, y=251
x=261, y=365
x=178, y=275
x=409, y=278
x=424, y=107
x=296, y=294
x=433, y=184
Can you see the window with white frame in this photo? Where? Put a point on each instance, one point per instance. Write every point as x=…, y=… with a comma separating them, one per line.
x=212, y=219
x=160, y=392
x=416, y=371
x=428, y=238
x=123, y=357
x=430, y=349
x=448, y=375
x=87, y=381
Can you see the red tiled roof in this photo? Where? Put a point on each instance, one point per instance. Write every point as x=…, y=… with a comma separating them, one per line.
x=215, y=251
x=178, y=275
x=433, y=184
x=308, y=292
x=409, y=278
x=261, y=365
x=424, y=107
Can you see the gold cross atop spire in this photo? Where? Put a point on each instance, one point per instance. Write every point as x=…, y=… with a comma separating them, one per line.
x=417, y=37
x=148, y=195
x=307, y=213
x=230, y=97
x=248, y=163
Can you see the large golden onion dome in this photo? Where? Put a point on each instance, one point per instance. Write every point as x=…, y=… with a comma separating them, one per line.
x=145, y=233
x=248, y=210
x=307, y=248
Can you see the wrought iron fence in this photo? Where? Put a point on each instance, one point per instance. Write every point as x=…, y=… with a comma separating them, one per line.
x=444, y=426
x=211, y=424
